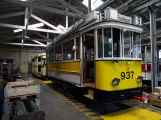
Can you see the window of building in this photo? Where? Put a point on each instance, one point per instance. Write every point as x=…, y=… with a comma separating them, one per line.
x=58, y=53
x=78, y=48
x=68, y=51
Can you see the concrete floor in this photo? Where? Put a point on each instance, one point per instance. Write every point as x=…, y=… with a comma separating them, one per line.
x=56, y=108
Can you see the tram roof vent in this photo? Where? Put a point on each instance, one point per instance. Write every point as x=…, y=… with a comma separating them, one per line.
x=92, y=16
x=112, y=14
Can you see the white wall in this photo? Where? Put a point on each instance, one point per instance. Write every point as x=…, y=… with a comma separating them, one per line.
x=20, y=56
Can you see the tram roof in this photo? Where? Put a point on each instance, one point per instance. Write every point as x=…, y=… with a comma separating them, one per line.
x=94, y=17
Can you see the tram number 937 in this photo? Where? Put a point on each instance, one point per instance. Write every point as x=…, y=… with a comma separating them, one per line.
x=127, y=75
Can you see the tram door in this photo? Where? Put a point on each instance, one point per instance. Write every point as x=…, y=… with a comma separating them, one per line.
x=88, y=58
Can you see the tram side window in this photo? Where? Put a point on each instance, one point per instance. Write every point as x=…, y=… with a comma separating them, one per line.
x=127, y=43
x=51, y=55
x=58, y=53
x=78, y=48
x=107, y=42
x=116, y=42
x=136, y=45
x=68, y=52
x=100, y=43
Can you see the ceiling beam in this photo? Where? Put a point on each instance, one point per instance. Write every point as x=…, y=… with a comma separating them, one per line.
x=34, y=45
x=8, y=15
x=39, y=42
x=146, y=23
x=7, y=38
x=42, y=36
x=46, y=23
x=32, y=29
x=44, y=8
x=140, y=7
x=28, y=11
x=36, y=41
x=66, y=4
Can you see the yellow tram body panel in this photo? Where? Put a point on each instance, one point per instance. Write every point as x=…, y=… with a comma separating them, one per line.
x=106, y=71
x=65, y=66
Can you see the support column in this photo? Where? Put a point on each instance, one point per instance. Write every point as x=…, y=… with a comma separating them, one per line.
x=66, y=18
x=89, y=6
x=152, y=12
x=66, y=22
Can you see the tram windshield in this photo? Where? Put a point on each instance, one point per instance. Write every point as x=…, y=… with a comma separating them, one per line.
x=122, y=43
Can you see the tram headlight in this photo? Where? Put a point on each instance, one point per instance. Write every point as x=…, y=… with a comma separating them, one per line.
x=115, y=82
x=139, y=79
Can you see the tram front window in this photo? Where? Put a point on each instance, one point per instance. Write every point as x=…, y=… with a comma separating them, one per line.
x=107, y=42
x=116, y=42
x=127, y=43
x=136, y=48
x=120, y=43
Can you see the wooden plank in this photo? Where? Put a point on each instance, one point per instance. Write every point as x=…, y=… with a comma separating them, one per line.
x=21, y=97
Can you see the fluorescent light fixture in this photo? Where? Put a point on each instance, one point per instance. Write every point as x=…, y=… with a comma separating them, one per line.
x=23, y=0
x=17, y=30
x=94, y=3
x=30, y=26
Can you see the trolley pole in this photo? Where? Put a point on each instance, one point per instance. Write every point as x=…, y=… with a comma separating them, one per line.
x=152, y=13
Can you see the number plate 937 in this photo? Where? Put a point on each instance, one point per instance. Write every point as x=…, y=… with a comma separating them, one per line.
x=127, y=75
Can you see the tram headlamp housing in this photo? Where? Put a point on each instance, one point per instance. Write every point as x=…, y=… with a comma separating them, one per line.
x=115, y=82
x=139, y=79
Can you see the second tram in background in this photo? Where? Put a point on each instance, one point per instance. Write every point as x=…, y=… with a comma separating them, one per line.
x=39, y=65
x=146, y=65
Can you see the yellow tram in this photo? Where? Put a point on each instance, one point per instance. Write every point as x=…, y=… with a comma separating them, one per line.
x=101, y=53
x=39, y=65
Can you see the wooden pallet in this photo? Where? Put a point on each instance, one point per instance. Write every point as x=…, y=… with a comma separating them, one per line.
x=7, y=106
x=21, y=88
x=21, y=97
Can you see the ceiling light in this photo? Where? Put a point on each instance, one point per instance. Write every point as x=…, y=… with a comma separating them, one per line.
x=23, y=0
x=30, y=26
x=17, y=30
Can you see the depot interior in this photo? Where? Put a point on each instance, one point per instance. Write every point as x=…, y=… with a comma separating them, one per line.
x=30, y=28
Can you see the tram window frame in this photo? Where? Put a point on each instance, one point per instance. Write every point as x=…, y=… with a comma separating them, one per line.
x=128, y=55
x=52, y=49
x=99, y=43
x=110, y=53
x=69, y=50
x=77, y=47
x=58, y=53
x=121, y=43
x=138, y=51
